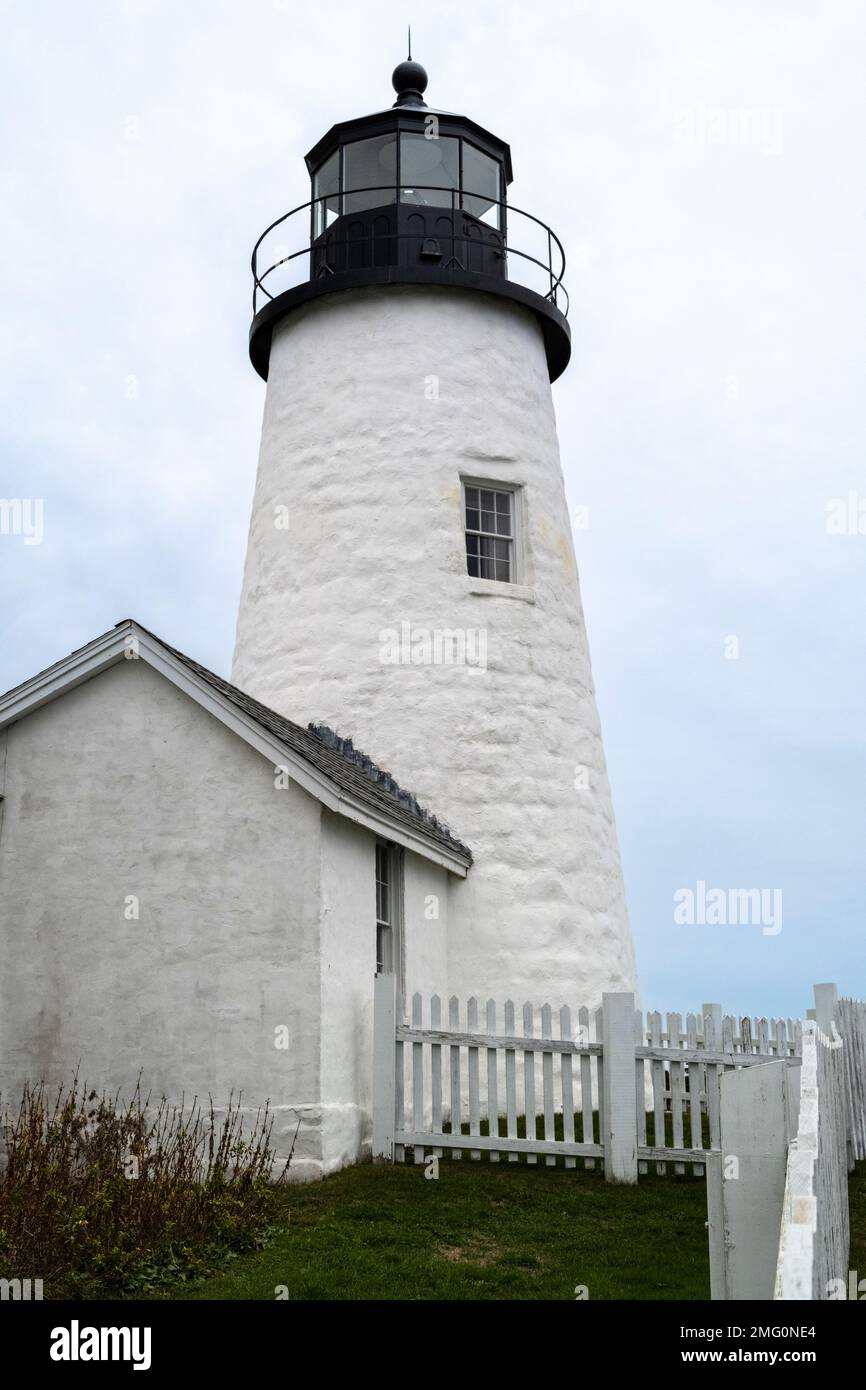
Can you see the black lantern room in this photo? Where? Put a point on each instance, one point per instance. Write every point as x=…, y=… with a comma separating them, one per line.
x=410, y=195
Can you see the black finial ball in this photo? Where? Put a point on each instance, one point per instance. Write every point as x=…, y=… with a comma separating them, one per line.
x=409, y=77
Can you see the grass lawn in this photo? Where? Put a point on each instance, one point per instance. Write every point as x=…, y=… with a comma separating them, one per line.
x=479, y=1231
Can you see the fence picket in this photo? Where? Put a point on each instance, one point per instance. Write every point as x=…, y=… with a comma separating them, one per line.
x=640, y=1089
x=658, y=1083
x=547, y=1082
x=417, y=1079
x=711, y=1069
x=510, y=1080
x=675, y=1024
x=436, y=1069
x=474, y=1103
x=746, y=1032
x=456, y=1114
x=693, y=1077
x=529, y=1079
x=793, y=1042
x=492, y=1081
x=567, y=1084
x=587, y=1134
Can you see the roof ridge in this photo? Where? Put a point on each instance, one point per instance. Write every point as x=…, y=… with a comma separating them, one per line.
x=346, y=747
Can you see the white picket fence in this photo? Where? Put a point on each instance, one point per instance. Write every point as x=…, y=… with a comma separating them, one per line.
x=607, y=1086
x=849, y=1016
x=777, y=1189
x=814, y=1232
x=439, y=1082
x=679, y=1071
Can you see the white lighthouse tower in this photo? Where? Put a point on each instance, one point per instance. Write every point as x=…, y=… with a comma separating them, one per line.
x=410, y=579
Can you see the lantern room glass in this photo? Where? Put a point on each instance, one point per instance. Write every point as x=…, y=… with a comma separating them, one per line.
x=366, y=166
x=429, y=170
x=481, y=184
x=326, y=186
x=363, y=174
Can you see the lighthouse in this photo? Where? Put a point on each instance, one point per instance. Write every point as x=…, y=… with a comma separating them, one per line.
x=410, y=580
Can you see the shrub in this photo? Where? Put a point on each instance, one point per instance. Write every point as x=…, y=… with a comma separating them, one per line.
x=100, y=1196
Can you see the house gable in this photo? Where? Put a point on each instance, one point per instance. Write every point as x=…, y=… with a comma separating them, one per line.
x=342, y=784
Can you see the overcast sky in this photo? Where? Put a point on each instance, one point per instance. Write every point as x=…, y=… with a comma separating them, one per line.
x=704, y=166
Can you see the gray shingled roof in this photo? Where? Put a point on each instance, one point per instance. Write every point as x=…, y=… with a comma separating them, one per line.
x=348, y=768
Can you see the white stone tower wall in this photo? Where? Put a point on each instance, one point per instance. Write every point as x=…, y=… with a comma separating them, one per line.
x=378, y=400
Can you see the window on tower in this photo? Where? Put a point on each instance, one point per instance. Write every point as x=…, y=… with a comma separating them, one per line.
x=490, y=532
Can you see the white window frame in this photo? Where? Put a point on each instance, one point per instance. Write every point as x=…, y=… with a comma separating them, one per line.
x=395, y=926
x=519, y=585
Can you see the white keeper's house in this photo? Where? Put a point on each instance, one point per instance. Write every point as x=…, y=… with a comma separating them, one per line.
x=199, y=878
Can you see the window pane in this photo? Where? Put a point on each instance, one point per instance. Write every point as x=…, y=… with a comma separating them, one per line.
x=487, y=571
x=384, y=950
x=326, y=184
x=481, y=182
x=487, y=500
x=369, y=164
x=427, y=166
x=383, y=884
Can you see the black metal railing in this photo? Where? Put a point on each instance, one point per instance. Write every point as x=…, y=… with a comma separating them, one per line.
x=544, y=263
